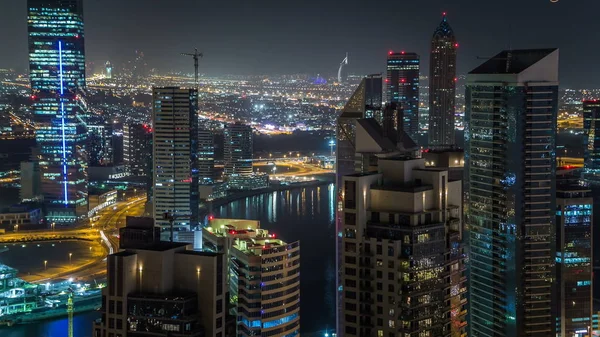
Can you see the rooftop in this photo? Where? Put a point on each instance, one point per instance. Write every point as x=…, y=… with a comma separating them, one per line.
x=409, y=188
x=246, y=235
x=512, y=61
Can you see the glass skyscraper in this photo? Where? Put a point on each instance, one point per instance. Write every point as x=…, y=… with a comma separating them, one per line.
x=510, y=131
x=403, y=88
x=57, y=74
x=574, y=241
x=442, y=86
x=591, y=141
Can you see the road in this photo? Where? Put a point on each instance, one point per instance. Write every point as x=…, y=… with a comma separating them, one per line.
x=103, y=232
x=291, y=169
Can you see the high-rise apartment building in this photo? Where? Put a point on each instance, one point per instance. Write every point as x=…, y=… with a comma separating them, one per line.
x=403, y=264
x=206, y=156
x=403, y=88
x=238, y=149
x=442, y=86
x=574, y=255
x=137, y=149
x=159, y=288
x=510, y=135
x=591, y=140
x=100, y=145
x=175, y=157
x=57, y=75
x=264, y=276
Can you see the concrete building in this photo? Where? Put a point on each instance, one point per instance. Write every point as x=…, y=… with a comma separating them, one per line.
x=162, y=289
x=574, y=254
x=238, y=149
x=264, y=277
x=175, y=157
x=510, y=187
x=100, y=145
x=403, y=265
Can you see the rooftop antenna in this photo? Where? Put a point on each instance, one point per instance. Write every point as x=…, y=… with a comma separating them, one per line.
x=196, y=55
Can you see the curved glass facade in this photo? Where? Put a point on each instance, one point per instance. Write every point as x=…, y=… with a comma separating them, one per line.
x=57, y=74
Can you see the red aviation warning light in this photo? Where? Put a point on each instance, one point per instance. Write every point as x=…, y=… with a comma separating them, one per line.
x=390, y=52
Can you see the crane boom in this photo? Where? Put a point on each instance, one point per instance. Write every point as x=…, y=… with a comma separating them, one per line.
x=196, y=55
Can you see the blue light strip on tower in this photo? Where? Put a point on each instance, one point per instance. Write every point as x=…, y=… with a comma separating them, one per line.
x=62, y=110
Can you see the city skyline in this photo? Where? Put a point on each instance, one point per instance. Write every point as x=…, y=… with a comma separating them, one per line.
x=269, y=45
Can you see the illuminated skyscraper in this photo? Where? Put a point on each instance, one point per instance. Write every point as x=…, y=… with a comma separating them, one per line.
x=137, y=149
x=403, y=88
x=100, y=144
x=591, y=141
x=402, y=271
x=206, y=156
x=263, y=278
x=57, y=74
x=175, y=157
x=574, y=254
x=238, y=149
x=510, y=187
x=442, y=86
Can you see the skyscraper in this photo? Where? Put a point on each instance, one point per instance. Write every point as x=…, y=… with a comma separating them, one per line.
x=238, y=148
x=403, y=265
x=574, y=269
x=510, y=132
x=365, y=102
x=403, y=88
x=442, y=86
x=175, y=157
x=100, y=144
x=137, y=149
x=57, y=74
x=206, y=156
x=264, y=276
x=591, y=141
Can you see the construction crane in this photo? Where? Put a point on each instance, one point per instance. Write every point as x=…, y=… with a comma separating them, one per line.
x=196, y=55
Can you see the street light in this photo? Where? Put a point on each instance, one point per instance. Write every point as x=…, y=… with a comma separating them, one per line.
x=45, y=264
x=70, y=258
x=16, y=228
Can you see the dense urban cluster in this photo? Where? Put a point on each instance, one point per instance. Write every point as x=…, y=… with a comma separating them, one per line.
x=462, y=205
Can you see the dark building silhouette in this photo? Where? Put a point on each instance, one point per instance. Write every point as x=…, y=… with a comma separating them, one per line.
x=442, y=86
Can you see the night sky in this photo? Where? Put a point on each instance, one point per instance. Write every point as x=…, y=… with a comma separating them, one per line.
x=312, y=36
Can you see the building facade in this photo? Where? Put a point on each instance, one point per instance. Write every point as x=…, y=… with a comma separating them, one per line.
x=100, y=145
x=574, y=255
x=510, y=132
x=591, y=141
x=175, y=157
x=57, y=75
x=442, y=86
x=264, y=277
x=403, y=88
x=403, y=264
x=162, y=289
x=137, y=149
x=238, y=149
x=206, y=156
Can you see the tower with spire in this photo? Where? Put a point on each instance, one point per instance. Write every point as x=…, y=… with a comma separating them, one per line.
x=442, y=86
